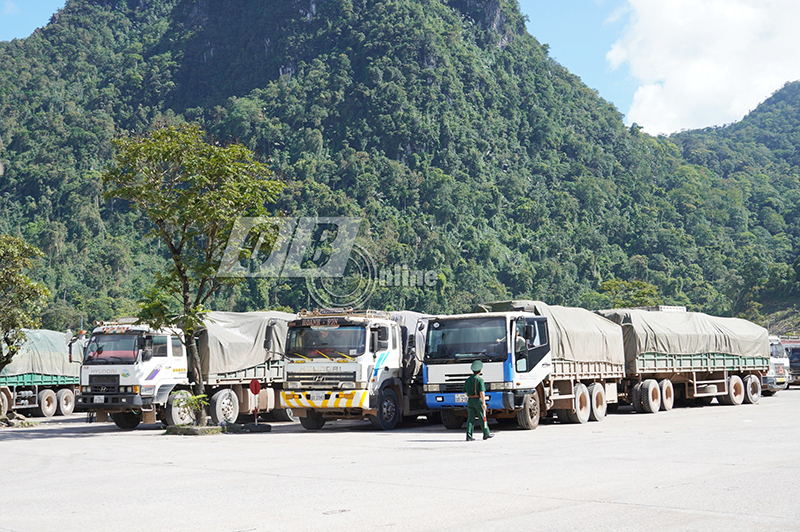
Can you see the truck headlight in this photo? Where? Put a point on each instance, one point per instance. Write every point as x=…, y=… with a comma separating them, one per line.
x=85, y=389
x=148, y=390
x=431, y=388
x=347, y=385
x=289, y=385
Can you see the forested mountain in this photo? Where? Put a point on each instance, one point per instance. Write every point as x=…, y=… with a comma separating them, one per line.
x=464, y=146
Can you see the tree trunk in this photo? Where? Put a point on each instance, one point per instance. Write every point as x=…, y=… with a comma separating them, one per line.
x=198, y=387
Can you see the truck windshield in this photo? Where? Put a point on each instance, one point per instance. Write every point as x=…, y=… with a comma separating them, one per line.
x=328, y=341
x=466, y=339
x=111, y=349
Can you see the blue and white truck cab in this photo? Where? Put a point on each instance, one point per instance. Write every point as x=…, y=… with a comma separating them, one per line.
x=515, y=350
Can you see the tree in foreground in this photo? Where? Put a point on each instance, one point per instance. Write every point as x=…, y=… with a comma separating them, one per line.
x=192, y=191
x=21, y=299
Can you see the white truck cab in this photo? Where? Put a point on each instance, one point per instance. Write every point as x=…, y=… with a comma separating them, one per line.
x=347, y=365
x=128, y=369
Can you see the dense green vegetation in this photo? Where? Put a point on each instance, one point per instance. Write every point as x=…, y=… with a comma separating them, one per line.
x=464, y=146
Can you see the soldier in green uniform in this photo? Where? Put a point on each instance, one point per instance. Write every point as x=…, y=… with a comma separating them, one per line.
x=475, y=389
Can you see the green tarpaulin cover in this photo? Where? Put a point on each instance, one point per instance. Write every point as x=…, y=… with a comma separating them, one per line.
x=46, y=353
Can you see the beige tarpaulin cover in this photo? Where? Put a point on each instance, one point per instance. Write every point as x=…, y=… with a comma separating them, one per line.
x=233, y=341
x=687, y=333
x=576, y=334
x=46, y=353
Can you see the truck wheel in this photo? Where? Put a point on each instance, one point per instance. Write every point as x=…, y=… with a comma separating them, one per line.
x=126, y=420
x=388, y=411
x=284, y=414
x=597, y=394
x=66, y=402
x=175, y=415
x=3, y=404
x=48, y=403
x=650, y=396
x=636, y=398
x=667, y=394
x=581, y=404
x=735, y=395
x=530, y=413
x=312, y=421
x=224, y=407
x=752, y=389
x=451, y=421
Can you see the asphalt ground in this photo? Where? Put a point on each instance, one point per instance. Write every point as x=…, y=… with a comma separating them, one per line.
x=703, y=468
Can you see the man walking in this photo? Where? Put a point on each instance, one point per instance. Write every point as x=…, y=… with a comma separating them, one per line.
x=475, y=389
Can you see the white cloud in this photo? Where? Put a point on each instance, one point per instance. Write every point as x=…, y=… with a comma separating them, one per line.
x=706, y=62
x=10, y=8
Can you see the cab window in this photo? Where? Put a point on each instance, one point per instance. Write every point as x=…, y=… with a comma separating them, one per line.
x=159, y=346
x=177, y=347
x=530, y=351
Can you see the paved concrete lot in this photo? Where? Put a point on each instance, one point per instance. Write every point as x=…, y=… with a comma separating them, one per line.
x=710, y=468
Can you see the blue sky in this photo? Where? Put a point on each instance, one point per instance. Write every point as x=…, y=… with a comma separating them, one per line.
x=667, y=65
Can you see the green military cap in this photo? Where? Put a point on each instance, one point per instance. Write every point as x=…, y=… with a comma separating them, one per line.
x=477, y=366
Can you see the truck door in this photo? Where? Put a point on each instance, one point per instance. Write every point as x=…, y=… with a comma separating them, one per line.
x=531, y=343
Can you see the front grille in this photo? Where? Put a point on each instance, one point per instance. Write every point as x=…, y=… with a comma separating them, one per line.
x=454, y=388
x=104, y=384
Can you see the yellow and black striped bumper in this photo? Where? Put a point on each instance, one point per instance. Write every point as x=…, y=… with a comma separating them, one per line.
x=333, y=399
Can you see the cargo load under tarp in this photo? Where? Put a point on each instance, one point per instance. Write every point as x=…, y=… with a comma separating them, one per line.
x=576, y=334
x=234, y=341
x=687, y=333
x=45, y=353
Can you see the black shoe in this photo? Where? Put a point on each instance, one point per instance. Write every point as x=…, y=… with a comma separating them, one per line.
x=487, y=436
x=470, y=438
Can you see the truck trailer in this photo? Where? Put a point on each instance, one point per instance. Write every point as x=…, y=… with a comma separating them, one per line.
x=135, y=374
x=43, y=376
x=536, y=359
x=344, y=364
x=673, y=356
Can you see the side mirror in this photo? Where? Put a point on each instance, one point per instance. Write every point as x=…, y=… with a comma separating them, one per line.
x=383, y=334
x=145, y=346
x=141, y=342
x=268, y=338
x=530, y=331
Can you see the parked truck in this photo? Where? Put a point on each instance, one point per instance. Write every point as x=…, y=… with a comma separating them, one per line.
x=344, y=364
x=135, y=374
x=778, y=375
x=539, y=359
x=689, y=357
x=536, y=359
x=792, y=345
x=43, y=376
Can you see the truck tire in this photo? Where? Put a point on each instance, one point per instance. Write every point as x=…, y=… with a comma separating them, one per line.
x=126, y=420
x=66, y=402
x=451, y=421
x=667, y=394
x=224, y=407
x=388, y=411
x=530, y=413
x=312, y=421
x=597, y=395
x=752, y=389
x=48, y=404
x=284, y=414
x=735, y=395
x=650, y=396
x=4, y=407
x=581, y=404
x=175, y=415
x=636, y=398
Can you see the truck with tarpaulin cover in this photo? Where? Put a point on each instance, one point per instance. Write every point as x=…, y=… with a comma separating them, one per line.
x=689, y=357
x=43, y=376
x=135, y=374
x=537, y=359
x=344, y=364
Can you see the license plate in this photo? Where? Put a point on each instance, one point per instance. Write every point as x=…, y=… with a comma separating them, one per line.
x=317, y=397
x=99, y=398
x=461, y=398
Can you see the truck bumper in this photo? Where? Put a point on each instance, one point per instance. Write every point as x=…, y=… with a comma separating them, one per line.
x=322, y=399
x=774, y=384
x=117, y=402
x=494, y=400
x=794, y=378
